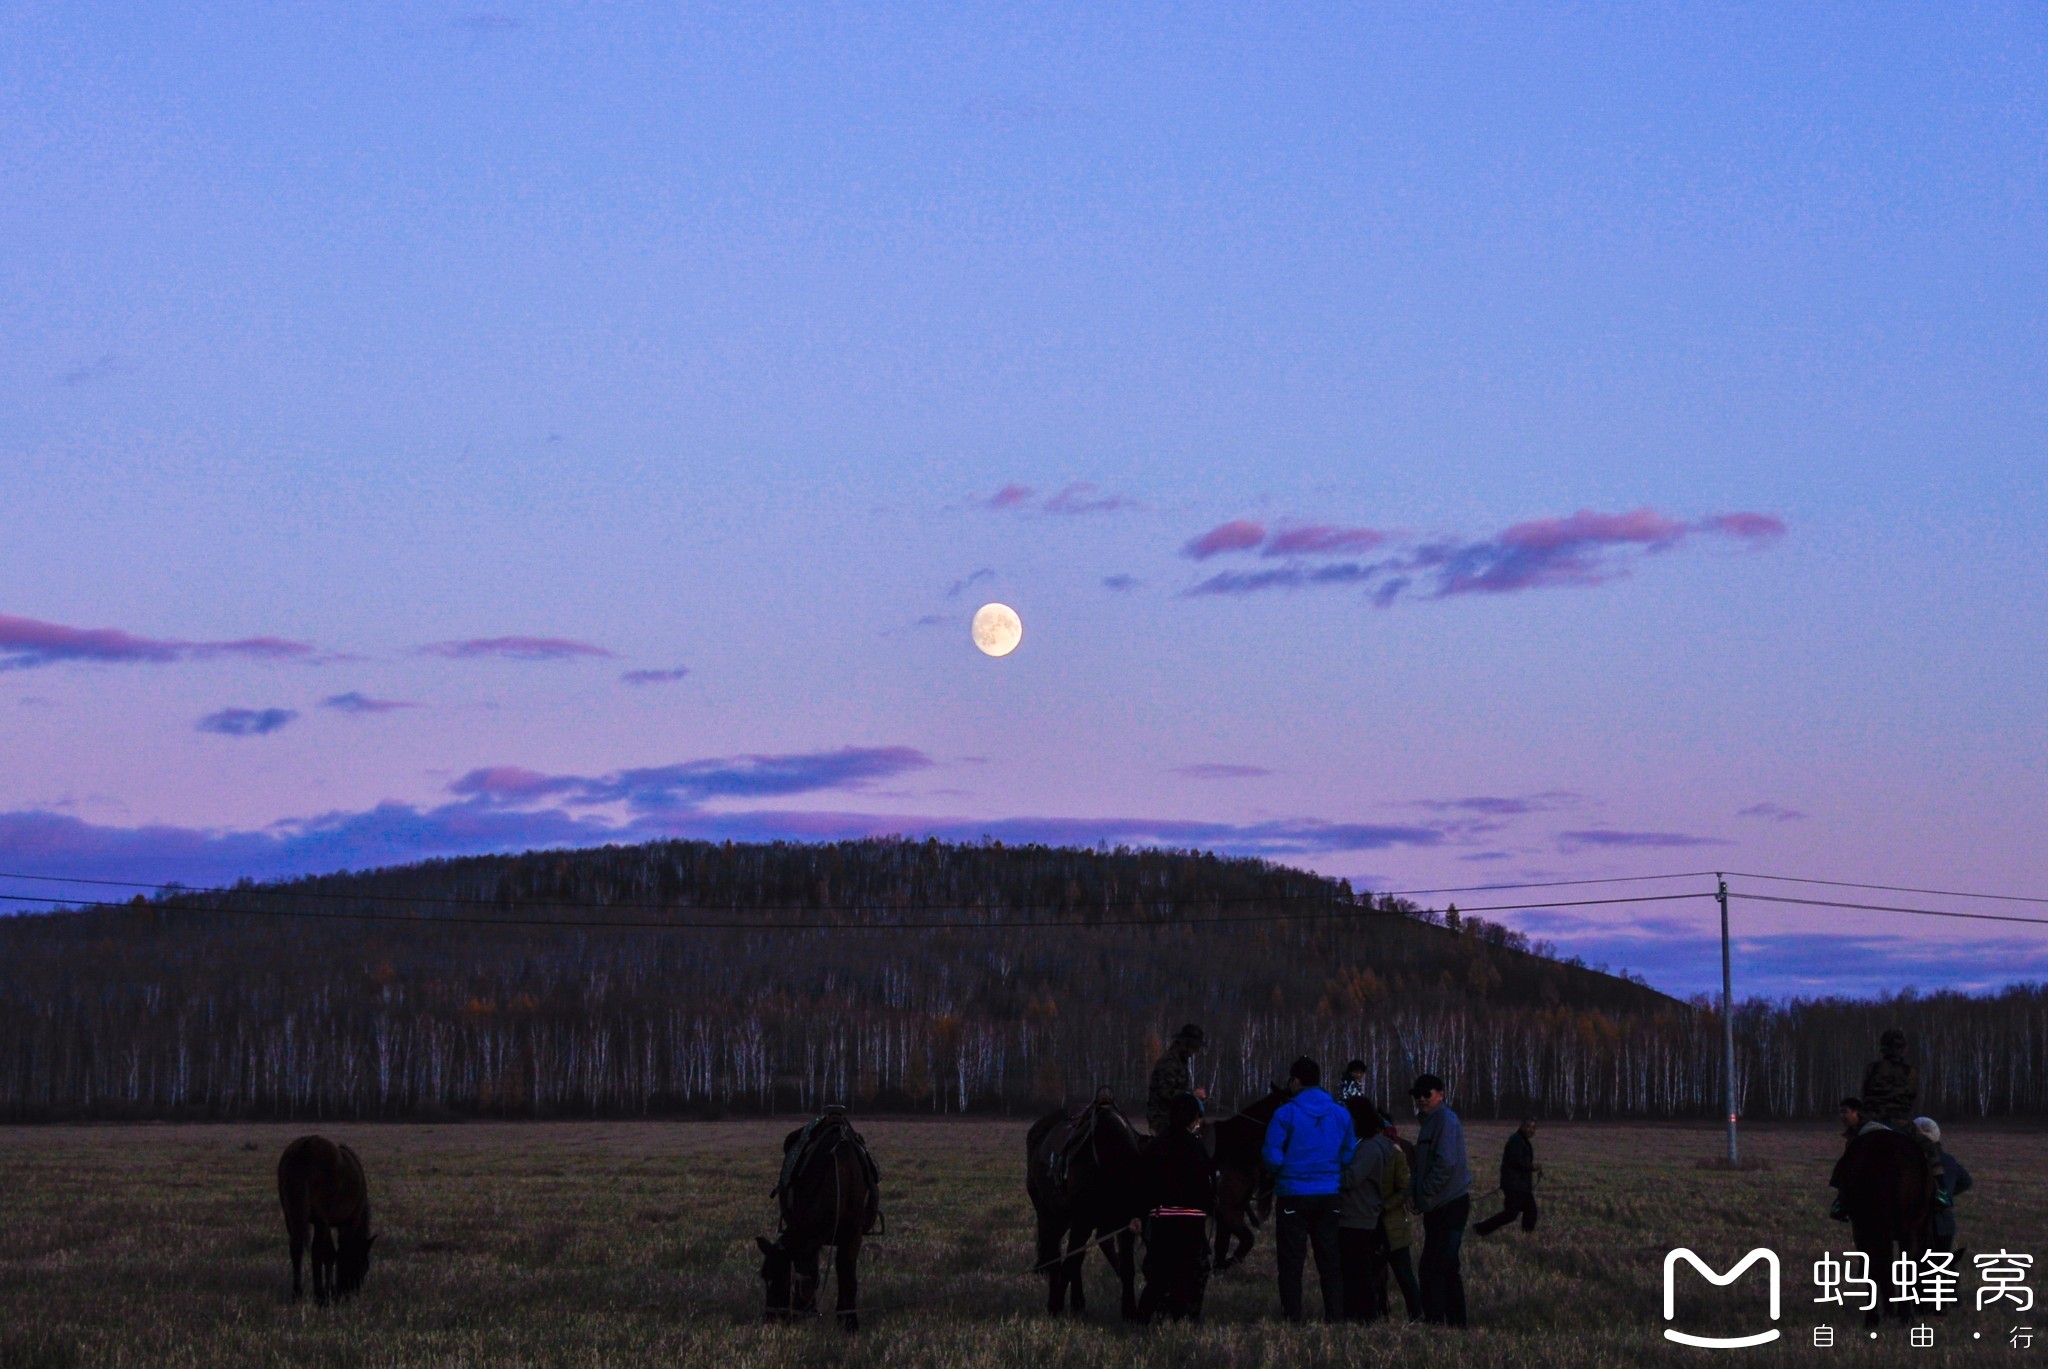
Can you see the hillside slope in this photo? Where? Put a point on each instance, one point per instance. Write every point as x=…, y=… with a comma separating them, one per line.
x=683, y=976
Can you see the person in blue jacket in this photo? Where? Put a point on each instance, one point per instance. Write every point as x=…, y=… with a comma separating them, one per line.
x=1308, y=1143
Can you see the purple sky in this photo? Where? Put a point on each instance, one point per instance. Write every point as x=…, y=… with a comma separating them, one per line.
x=1437, y=451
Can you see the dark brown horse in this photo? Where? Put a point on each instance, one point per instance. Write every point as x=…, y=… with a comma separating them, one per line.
x=1243, y=1196
x=1081, y=1171
x=1888, y=1193
x=829, y=1198
x=320, y=1186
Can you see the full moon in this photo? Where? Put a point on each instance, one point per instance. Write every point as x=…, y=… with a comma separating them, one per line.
x=997, y=629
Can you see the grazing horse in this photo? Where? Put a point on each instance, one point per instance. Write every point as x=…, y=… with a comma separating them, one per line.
x=1081, y=1171
x=321, y=1185
x=1243, y=1197
x=828, y=1196
x=1888, y=1193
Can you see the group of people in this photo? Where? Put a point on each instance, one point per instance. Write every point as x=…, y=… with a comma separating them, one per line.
x=1348, y=1190
x=1890, y=1098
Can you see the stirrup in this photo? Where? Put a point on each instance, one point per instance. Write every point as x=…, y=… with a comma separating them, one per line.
x=1943, y=1198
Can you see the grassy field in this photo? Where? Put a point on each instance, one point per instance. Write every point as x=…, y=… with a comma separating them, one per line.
x=632, y=1243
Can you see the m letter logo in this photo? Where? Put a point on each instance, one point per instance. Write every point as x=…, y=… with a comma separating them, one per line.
x=1770, y=1260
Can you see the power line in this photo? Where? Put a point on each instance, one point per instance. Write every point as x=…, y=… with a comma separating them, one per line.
x=1547, y=884
x=1892, y=888
x=1332, y=910
x=1888, y=908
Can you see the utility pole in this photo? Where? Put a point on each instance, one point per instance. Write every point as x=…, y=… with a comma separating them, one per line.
x=1727, y=1012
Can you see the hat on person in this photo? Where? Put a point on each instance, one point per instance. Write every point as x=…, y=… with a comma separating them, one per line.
x=1892, y=1040
x=1191, y=1034
x=1929, y=1128
x=1425, y=1085
x=1355, y=1067
x=1184, y=1109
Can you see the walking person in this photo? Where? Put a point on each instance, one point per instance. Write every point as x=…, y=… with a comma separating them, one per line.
x=1518, y=1171
x=1177, y=1195
x=1441, y=1189
x=1173, y=1077
x=1308, y=1143
x=1361, y=1229
x=1959, y=1183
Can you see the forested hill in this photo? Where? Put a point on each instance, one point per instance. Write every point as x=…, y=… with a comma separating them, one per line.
x=686, y=977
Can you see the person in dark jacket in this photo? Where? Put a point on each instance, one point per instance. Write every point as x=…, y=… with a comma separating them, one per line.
x=1352, y=1089
x=1178, y=1196
x=1518, y=1171
x=1959, y=1183
x=1173, y=1077
x=1440, y=1187
x=1361, y=1229
x=1308, y=1143
x=1891, y=1095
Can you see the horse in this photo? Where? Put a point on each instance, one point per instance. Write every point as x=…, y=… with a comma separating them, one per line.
x=1243, y=1197
x=321, y=1185
x=1081, y=1172
x=828, y=1196
x=1888, y=1193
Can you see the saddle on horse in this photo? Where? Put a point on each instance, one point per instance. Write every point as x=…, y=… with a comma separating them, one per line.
x=824, y=1135
x=1076, y=1134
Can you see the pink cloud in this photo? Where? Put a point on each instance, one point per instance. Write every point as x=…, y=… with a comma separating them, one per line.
x=1011, y=497
x=1321, y=539
x=27, y=642
x=1586, y=528
x=517, y=648
x=511, y=784
x=1240, y=534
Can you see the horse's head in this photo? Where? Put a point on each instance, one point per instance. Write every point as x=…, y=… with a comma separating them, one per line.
x=791, y=1283
x=352, y=1259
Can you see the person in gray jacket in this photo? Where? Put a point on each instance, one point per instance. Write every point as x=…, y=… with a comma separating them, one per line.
x=1440, y=1188
x=1361, y=1227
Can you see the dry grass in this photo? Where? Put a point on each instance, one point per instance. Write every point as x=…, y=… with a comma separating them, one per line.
x=620, y=1243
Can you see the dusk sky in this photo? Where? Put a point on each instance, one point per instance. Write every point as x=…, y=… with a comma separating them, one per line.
x=1434, y=449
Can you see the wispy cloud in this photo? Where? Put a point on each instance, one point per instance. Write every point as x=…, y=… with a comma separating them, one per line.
x=960, y=586
x=26, y=643
x=359, y=703
x=1771, y=812
x=1076, y=497
x=1606, y=837
x=517, y=649
x=1580, y=549
x=1489, y=805
x=246, y=722
x=100, y=367
x=1211, y=770
x=652, y=677
x=675, y=787
x=1121, y=584
x=1083, y=497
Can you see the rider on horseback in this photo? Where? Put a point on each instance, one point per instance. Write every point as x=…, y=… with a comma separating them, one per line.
x=1172, y=1078
x=1891, y=1095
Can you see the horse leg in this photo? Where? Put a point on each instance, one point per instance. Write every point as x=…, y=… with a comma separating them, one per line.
x=323, y=1262
x=1077, y=1254
x=1127, y=1271
x=297, y=1233
x=846, y=1264
x=1051, y=1263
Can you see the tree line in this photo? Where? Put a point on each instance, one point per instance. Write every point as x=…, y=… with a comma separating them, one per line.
x=690, y=978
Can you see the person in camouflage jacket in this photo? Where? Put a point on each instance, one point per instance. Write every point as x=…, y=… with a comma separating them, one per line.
x=1891, y=1095
x=1171, y=1079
